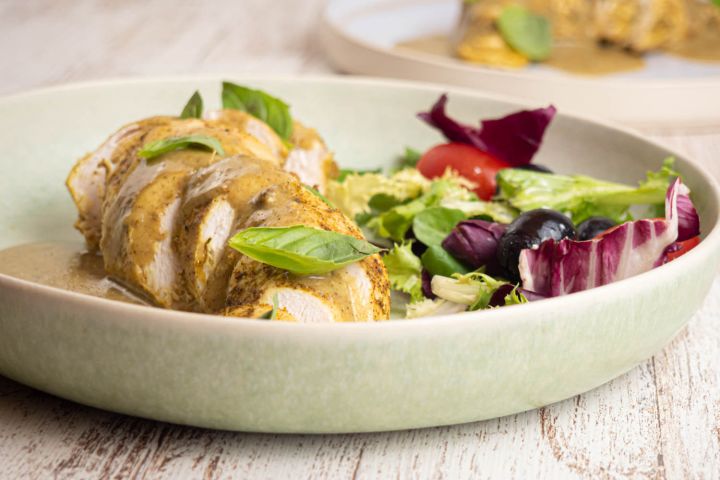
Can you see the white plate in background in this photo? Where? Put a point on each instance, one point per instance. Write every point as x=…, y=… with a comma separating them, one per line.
x=359, y=37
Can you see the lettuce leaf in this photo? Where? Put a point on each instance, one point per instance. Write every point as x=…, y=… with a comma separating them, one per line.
x=582, y=197
x=495, y=211
x=567, y=266
x=353, y=194
x=404, y=270
x=395, y=222
x=476, y=290
x=432, y=225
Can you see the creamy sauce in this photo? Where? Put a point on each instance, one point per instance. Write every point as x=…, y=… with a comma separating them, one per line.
x=583, y=58
x=433, y=44
x=71, y=267
x=588, y=58
x=705, y=48
x=66, y=266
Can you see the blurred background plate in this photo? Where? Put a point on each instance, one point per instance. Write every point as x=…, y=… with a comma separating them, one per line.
x=360, y=36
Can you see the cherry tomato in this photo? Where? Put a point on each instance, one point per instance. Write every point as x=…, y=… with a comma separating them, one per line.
x=472, y=163
x=681, y=248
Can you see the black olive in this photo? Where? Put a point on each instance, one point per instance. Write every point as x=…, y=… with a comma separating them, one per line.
x=529, y=230
x=592, y=227
x=418, y=248
x=535, y=168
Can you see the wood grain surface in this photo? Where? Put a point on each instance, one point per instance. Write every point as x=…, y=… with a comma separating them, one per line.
x=660, y=420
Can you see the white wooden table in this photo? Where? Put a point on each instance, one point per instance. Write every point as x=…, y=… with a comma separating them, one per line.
x=661, y=420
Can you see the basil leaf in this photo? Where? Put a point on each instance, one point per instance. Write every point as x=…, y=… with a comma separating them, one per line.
x=322, y=197
x=525, y=32
x=272, y=314
x=301, y=250
x=165, y=145
x=431, y=226
x=267, y=108
x=194, y=107
x=439, y=262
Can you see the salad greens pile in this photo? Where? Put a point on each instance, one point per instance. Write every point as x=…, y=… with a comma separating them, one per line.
x=443, y=242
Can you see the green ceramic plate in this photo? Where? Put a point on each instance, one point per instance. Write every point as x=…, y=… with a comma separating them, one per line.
x=278, y=377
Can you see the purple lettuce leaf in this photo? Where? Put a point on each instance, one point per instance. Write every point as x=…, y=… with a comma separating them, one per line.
x=567, y=266
x=498, y=297
x=530, y=295
x=426, y=279
x=453, y=131
x=475, y=242
x=688, y=219
x=514, y=138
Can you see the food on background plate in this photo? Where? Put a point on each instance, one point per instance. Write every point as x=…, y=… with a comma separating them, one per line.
x=243, y=212
x=591, y=37
x=473, y=224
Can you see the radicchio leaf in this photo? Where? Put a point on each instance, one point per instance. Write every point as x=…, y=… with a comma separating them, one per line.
x=567, y=266
x=498, y=298
x=475, y=242
x=426, y=279
x=514, y=138
x=688, y=220
x=531, y=296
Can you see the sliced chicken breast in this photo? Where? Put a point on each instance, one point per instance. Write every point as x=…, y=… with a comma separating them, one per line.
x=308, y=158
x=163, y=225
x=142, y=206
x=246, y=192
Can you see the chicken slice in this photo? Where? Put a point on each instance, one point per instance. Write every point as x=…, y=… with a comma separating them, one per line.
x=308, y=158
x=358, y=292
x=142, y=209
x=213, y=201
x=242, y=192
x=251, y=125
x=87, y=179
